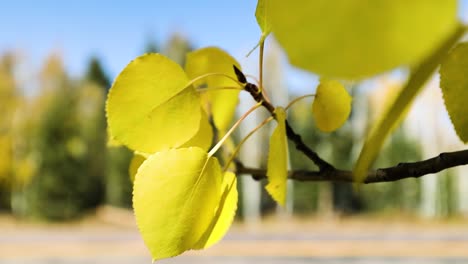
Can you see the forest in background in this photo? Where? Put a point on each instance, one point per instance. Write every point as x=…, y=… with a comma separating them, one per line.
x=56, y=164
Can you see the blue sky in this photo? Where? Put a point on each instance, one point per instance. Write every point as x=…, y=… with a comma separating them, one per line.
x=117, y=31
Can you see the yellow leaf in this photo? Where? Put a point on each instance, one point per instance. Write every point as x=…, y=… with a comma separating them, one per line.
x=150, y=107
x=355, y=39
x=221, y=104
x=204, y=136
x=331, y=106
x=175, y=196
x=224, y=213
x=263, y=19
x=277, y=169
x=454, y=84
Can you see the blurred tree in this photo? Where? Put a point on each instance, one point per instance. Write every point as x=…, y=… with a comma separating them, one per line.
x=176, y=48
x=114, y=160
x=151, y=46
x=95, y=73
x=9, y=98
x=65, y=146
x=118, y=183
x=306, y=196
x=337, y=147
x=402, y=196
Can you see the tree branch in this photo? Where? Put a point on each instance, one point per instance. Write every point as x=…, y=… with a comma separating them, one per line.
x=327, y=172
x=257, y=95
x=401, y=171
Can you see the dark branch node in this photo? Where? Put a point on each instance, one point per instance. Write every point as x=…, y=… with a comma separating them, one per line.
x=240, y=75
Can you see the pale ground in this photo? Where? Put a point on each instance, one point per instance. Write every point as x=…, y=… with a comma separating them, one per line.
x=111, y=237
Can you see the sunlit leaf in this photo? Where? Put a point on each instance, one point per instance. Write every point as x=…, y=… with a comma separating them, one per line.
x=224, y=213
x=150, y=107
x=454, y=84
x=331, y=106
x=277, y=168
x=175, y=196
x=221, y=103
x=390, y=120
x=204, y=136
x=355, y=39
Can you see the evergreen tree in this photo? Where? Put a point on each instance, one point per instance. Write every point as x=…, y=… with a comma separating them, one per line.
x=8, y=101
x=66, y=142
x=95, y=73
x=65, y=183
x=115, y=160
x=151, y=46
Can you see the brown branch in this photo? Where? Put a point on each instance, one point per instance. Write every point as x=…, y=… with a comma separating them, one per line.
x=301, y=146
x=401, y=171
x=257, y=95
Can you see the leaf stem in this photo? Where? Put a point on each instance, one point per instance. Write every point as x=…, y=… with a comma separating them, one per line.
x=297, y=100
x=253, y=78
x=260, y=64
x=236, y=150
x=213, y=74
x=238, y=122
x=207, y=89
x=260, y=70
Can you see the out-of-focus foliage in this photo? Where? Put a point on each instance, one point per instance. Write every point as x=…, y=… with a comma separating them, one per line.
x=396, y=112
x=9, y=99
x=176, y=48
x=66, y=144
x=95, y=74
x=355, y=39
x=114, y=159
x=339, y=148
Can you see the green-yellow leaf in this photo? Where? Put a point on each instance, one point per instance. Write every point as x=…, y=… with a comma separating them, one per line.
x=224, y=213
x=331, y=106
x=175, y=197
x=355, y=39
x=454, y=84
x=263, y=19
x=150, y=107
x=204, y=136
x=220, y=103
x=391, y=118
x=135, y=163
x=277, y=168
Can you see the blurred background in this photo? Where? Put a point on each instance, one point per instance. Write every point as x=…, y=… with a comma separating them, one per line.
x=65, y=196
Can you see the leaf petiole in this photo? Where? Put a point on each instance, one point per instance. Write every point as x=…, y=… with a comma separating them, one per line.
x=297, y=100
x=213, y=74
x=238, y=122
x=207, y=89
x=236, y=150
